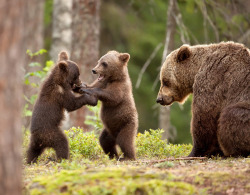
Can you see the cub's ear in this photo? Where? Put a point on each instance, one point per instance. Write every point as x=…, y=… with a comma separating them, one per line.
x=63, y=56
x=124, y=57
x=183, y=53
x=63, y=66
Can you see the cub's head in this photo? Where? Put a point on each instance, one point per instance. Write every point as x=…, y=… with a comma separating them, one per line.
x=69, y=70
x=174, y=77
x=111, y=66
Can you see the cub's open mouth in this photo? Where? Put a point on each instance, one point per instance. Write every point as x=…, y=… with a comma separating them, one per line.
x=100, y=77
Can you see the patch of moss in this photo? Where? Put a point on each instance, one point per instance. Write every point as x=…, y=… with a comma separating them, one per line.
x=110, y=181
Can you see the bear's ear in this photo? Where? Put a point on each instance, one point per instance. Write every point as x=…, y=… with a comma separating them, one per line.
x=63, y=66
x=63, y=56
x=124, y=57
x=183, y=53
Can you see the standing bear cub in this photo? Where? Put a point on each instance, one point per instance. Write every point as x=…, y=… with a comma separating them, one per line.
x=218, y=75
x=118, y=112
x=55, y=97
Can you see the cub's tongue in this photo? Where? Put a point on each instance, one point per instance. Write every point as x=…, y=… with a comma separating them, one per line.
x=100, y=77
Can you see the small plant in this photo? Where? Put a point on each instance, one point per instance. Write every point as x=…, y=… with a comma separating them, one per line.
x=94, y=120
x=41, y=74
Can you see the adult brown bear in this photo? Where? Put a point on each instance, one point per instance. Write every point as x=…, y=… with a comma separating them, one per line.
x=218, y=75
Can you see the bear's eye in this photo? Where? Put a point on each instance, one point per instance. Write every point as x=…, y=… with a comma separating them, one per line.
x=104, y=64
x=166, y=83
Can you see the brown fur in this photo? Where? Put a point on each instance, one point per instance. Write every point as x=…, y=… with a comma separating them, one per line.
x=55, y=97
x=218, y=75
x=118, y=111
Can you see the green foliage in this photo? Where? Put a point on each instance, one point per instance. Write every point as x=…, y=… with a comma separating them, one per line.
x=40, y=52
x=40, y=74
x=26, y=111
x=150, y=144
x=94, y=119
x=48, y=11
x=83, y=143
x=48, y=17
x=26, y=136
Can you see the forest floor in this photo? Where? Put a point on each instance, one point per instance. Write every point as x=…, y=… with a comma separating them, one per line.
x=89, y=171
x=209, y=176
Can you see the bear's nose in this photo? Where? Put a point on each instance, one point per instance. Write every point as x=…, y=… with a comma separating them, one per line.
x=159, y=100
x=94, y=71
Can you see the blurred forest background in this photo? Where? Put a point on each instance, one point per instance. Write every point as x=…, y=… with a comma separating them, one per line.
x=147, y=30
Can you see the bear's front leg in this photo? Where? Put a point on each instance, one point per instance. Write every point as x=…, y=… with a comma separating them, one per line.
x=101, y=94
x=77, y=89
x=204, y=134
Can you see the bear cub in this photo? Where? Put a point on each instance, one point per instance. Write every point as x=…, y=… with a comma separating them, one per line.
x=218, y=75
x=113, y=88
x=55, y=97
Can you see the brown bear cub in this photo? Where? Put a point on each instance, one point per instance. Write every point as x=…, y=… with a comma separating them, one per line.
x=218, y=75
x=55, y=97
x=118, y=112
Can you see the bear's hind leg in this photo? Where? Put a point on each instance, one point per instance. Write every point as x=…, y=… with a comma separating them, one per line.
x=126, y=141
x=34, y=151
x=60, y=145
x=204, y=133
x=108, y=143
x=234, y=130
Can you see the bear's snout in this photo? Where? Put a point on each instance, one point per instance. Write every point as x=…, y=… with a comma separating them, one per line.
x=94, y=71
x=164, y=100
x=159, y=100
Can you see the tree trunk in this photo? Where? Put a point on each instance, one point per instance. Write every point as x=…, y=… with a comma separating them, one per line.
x=34, y=24
x=12, y=14
x=62, y=23
x=34, y=36
x=164, y=114
x=85, y=45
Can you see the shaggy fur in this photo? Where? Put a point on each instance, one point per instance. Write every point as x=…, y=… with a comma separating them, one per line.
x=218, y=75
x=55, y=97
x=118, y=112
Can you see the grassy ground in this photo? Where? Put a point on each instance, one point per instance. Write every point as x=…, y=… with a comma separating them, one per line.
x=89, y=171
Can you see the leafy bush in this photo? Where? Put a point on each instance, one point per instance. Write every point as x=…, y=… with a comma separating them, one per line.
x=150, y=144
x=84, y=143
